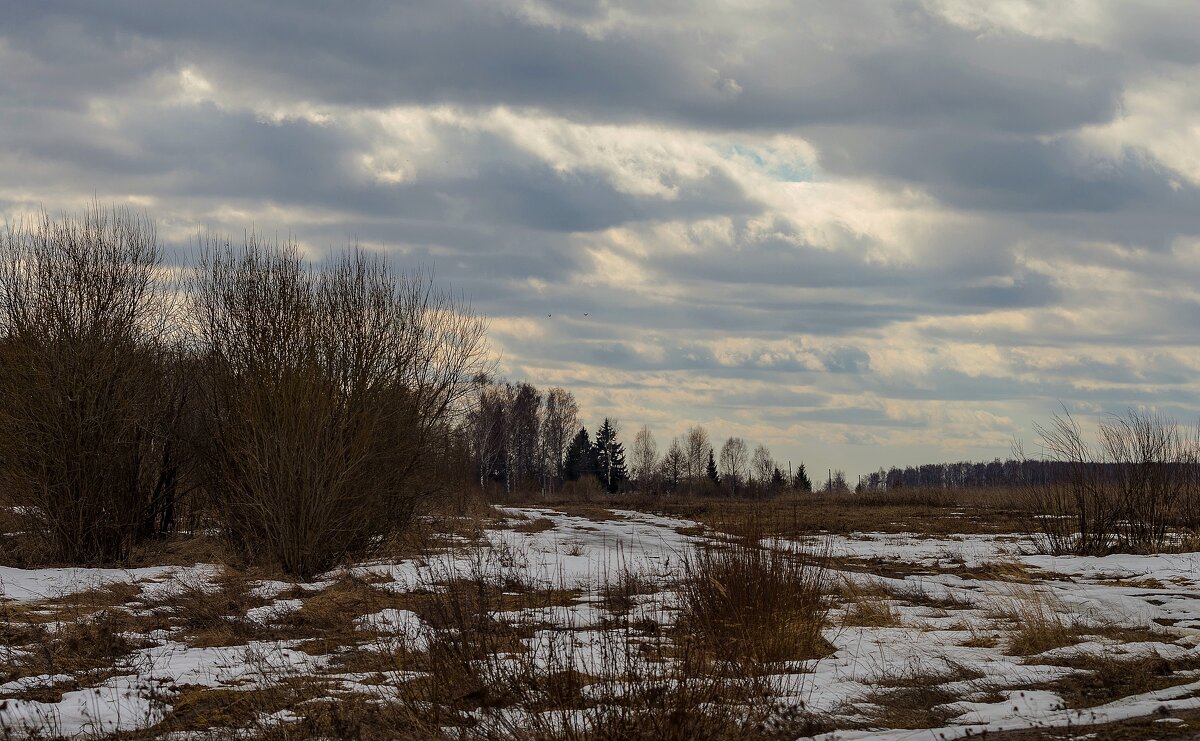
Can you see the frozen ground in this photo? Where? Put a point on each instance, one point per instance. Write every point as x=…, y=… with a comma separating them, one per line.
x=951, y=610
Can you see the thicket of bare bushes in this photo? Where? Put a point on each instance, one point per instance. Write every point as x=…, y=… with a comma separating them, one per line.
x=328, y=396
x=1127, y=492
x=311, y=407
x=89, y=396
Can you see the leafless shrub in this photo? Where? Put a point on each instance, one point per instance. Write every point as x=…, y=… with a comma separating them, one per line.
x=330, y=396
x=87, y=389
x=1154, y=465
x=1124, y=493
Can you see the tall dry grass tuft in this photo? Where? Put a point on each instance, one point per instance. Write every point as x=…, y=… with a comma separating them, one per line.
x=330, y=397
x=748, y=601
x=1041, y=621
x=88, y=392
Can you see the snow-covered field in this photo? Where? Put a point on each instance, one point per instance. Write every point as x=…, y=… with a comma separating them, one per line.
x=945, y=615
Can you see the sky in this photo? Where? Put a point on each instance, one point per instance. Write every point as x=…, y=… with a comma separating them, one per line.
x=865, y=233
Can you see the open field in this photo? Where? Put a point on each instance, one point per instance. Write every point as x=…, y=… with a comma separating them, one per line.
x=591, y=621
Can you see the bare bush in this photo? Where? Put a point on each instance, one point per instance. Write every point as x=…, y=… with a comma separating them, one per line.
x=1124, y=493
x=330, y=396
x=1153, y=463
x=87, y=389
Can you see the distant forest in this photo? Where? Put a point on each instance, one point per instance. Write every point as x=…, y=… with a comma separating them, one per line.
x=523, y=439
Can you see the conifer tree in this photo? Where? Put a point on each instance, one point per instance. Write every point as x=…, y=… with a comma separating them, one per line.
x=778, y=482
x=610, y=457
x=801, y=482
x=580, y=460
x=711, y=471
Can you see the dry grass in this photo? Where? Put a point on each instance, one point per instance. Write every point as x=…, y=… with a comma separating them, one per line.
x=1147, y=728
x=914, y=698
x=81, y=635
x=619, y=593
x=917, y=594
x=540, y=525
x=1108, y=677
x=587, y=510
x=477, y=677
x=936, y=512
x=748, y=602
x=82, y=645
x=979, y=638
x=1040, y=621
x=214, y=614
x=999, y=570
x=238, y=713
x=868, y=605
x=180, y=549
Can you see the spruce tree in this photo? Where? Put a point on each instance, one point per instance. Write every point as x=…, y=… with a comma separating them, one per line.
x=778, y=482
x=610, y=457
x=580, y=460
x=802, y=482
x=711, y=471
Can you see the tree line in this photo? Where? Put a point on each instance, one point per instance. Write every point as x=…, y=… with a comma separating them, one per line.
x=524, y=440
x=1012, y=472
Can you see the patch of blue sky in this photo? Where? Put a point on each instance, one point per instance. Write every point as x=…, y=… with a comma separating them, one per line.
x=778, y=165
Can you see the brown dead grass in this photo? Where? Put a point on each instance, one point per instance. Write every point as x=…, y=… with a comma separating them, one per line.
x=540, y=525
x=980, y=638
x=1135, y=729
x=587, y=510
x=619, y=592
x=918, y=699
x=1108, y=677
x=84, y=644
x=78, y=634
x=181, y=550
x=868, y=605
x=213, y=612
x=918, y=595
x=748, y=602
x=1040, y=622
x=941, y=512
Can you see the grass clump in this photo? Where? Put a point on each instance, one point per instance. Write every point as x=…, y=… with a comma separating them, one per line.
x=1108, y=677
x=1040, y=622
x=215, y=614
x=917, y=698
x=748, y=601
x=869, y=605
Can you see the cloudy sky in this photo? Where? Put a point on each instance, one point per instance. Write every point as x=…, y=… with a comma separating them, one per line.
x=863, y=232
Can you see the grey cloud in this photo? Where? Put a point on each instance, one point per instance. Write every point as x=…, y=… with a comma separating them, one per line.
x=1160, y=30
x=978, y=170
x=1028, y=289
x=846, y=359
x=378, y=54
